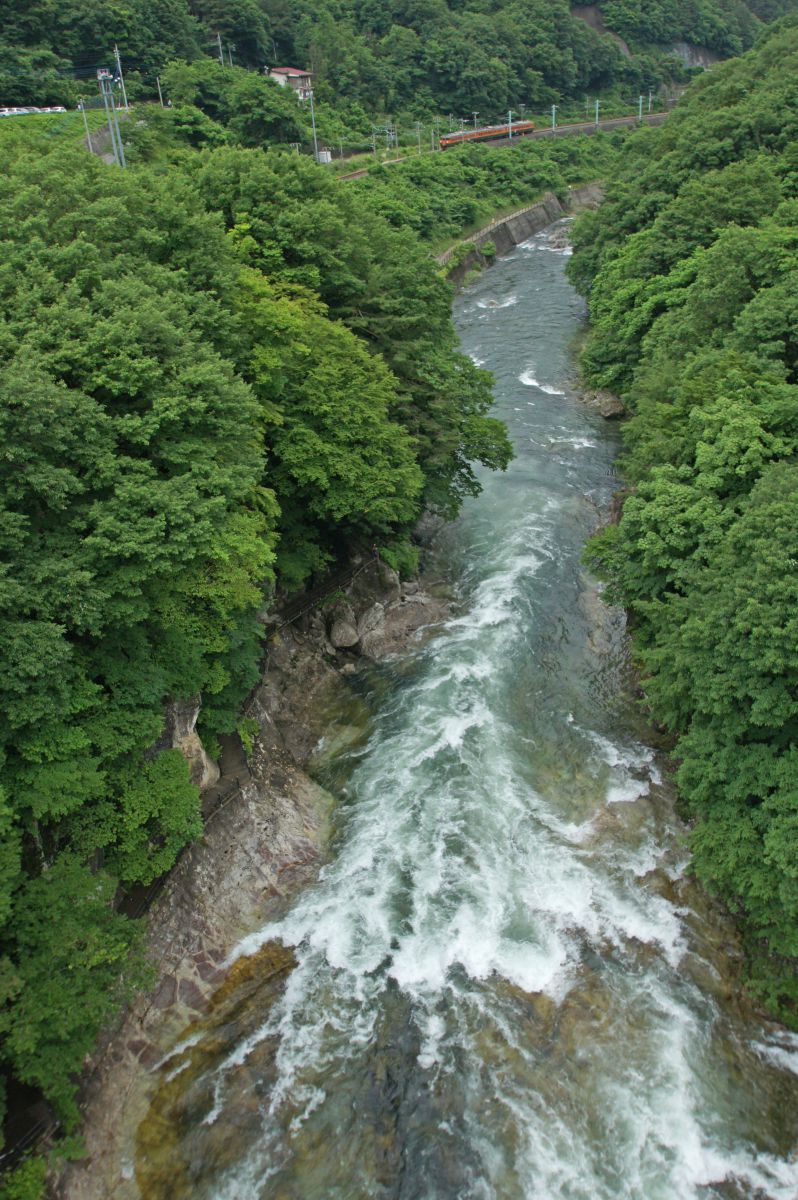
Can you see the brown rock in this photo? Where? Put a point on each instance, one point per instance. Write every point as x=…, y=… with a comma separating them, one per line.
x=606, y=403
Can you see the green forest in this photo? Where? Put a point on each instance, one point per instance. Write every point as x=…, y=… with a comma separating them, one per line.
x=370, y=59
x=691, y=268
x=222, y=369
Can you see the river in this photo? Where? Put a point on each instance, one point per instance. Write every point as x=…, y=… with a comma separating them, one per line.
x=504, y=987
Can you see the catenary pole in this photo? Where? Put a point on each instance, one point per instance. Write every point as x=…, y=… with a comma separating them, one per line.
x=122, y=162
x=313, y=123
x=121, y=76
x=101, y=81
x=510, y=122
x=554, y=116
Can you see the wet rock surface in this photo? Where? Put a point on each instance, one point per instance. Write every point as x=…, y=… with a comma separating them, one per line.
x=266, y=840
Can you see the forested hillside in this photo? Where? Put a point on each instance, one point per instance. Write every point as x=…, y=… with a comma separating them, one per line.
x=220, y=369
x=691, y=266
x=484, y=55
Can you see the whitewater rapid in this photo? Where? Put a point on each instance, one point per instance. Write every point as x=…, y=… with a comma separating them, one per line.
x=504, y=987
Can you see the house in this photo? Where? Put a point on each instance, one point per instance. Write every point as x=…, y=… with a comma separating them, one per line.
x=299, y=81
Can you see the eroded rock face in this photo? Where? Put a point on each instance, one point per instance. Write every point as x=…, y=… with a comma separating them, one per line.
x=371, y=619
x=265, y=841
x=181, y=734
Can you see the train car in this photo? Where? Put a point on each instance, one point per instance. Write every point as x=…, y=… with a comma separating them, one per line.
x=519, y=129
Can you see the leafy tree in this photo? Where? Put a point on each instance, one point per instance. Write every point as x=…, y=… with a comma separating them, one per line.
x=692, y=282
x=70, y=947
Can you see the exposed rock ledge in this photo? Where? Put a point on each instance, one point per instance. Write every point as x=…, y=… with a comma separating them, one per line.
x=266, y=841
x=607, y=404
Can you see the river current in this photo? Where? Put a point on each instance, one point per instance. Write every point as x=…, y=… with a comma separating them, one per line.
x=504, y=987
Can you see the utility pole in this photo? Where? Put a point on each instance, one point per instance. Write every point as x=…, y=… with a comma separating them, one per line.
x=598, y=105
x=121, y=76
x=510, y=122
x=640, y=108
x=374, y=140
x=418, y=135
x=160, y=93
x=462, y=129
x=554, y=116
x=475, y=115
x=82, y=108
x=313, y=123
x=650, y=94
x=219, y=44
x=105, y=80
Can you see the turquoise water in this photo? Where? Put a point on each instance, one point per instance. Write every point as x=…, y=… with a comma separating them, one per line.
x=504, y=987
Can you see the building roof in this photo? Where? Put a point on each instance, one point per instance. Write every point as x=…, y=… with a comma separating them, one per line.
x=287, y=71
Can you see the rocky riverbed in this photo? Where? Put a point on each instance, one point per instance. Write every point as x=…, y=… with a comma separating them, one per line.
x=265, y=841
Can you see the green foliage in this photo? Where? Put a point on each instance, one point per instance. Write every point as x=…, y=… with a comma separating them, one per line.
x=136, y=535
x=25, y=1182
x=402, y=556
x=727, y=29
x=443, y=56
x=248, y=729
x=440, y=196
x=253, y=107
x=70, y=947
x=691, y=266
x=57, y=37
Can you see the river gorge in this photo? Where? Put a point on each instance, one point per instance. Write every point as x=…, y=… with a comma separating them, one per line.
x=503, y=985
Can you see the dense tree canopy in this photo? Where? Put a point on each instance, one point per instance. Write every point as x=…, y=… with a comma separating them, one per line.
x=215, y=378
x=394, y=57
x=691, y=266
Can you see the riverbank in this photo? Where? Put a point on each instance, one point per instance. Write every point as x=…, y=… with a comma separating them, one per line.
x=265, y=842
x=503, y=982
x=503, y=234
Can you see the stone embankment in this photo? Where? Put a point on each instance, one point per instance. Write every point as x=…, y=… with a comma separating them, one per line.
x=507, y=232
x=263, y=843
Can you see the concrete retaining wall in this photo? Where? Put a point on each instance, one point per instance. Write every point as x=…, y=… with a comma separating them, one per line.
x=508, y=232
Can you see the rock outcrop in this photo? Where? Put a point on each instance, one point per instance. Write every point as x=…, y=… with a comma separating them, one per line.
x=181, y=734
x=606, y=403
x=264, y=841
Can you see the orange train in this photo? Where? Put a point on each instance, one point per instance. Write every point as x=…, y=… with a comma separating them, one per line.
x=519, y=129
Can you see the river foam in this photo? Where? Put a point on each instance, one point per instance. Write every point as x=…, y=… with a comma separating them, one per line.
x=495, y=994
